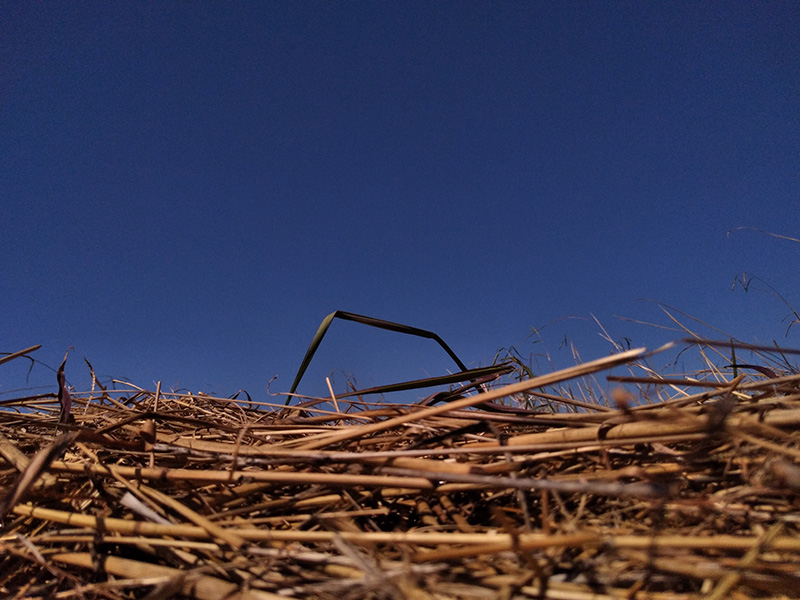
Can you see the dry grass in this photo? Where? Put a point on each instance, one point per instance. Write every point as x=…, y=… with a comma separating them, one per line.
x=687, y=488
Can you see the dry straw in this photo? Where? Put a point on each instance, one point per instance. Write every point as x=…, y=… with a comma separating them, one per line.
x=684, y=487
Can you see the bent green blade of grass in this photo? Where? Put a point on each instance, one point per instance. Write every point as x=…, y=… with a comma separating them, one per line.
x=372, y=322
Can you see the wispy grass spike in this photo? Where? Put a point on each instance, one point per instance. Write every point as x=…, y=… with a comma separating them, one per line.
x=372, y=322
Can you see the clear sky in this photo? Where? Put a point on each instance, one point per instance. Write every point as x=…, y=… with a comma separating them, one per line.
x=187, y=189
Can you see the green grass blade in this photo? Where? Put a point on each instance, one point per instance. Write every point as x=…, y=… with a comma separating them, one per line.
x=469, y=375
x=372, y=322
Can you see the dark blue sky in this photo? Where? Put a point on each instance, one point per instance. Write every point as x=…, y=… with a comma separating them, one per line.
x=189, y=188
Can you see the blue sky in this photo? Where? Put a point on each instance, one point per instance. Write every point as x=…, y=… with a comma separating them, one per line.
x=189, y=188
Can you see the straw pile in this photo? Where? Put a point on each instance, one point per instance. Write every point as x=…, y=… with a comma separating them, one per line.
x=680, y=489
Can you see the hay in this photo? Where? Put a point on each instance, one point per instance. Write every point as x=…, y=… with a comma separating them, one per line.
x=147, y=494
